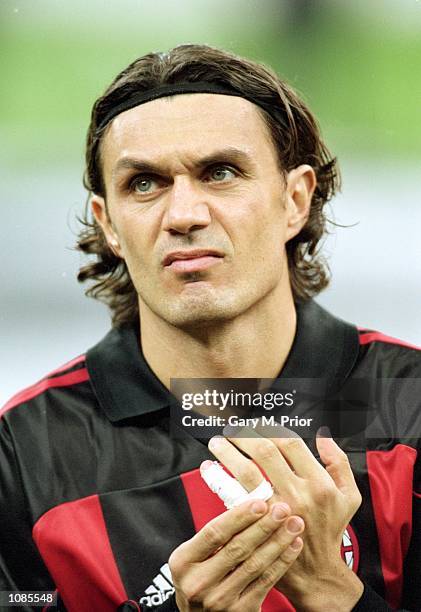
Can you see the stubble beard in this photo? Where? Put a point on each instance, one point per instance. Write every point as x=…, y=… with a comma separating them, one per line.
x=199, y=305
x=197, y=309
x=201, y=308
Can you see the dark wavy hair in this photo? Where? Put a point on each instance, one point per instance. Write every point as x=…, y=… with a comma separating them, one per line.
x=295, y=135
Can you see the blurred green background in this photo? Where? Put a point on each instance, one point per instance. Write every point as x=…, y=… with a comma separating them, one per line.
x=357, y=64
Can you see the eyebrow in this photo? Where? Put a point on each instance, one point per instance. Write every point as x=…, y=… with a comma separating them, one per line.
x=227, y=155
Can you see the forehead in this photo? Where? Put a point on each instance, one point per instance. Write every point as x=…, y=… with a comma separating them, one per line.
x=185, y=125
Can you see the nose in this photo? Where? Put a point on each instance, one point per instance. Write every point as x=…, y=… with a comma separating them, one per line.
x=187, y=208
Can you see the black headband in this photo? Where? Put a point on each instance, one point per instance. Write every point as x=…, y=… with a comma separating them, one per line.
x=141, y=97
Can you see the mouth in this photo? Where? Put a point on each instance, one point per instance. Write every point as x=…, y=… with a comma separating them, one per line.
x=191, y=261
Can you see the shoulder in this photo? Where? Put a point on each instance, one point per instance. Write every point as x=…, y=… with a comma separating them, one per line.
x=388, y=356
x=373, y=337
x=68, y=375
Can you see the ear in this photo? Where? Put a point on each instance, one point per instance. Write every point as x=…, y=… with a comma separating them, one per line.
x=301, y=183
x=100, y=212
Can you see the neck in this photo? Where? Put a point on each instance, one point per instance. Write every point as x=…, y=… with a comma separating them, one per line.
x=254, y=344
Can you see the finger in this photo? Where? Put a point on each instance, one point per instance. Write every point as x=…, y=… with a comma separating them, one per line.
x=293, y=448
x=220, y=530
x=229, y=490
x=244, y=470
x=337, y=464
x=297, y=454
x=260, y=587
x=244, y=544
x=265, y=555
x=267, y=455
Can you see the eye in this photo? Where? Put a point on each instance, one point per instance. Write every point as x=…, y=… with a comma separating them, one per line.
x=221, y=174
x=144, y=184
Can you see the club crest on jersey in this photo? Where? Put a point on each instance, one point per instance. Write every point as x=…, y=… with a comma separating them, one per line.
x=349, y=549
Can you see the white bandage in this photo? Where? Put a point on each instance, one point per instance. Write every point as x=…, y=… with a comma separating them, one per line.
x=229, y=490
x=264, y=491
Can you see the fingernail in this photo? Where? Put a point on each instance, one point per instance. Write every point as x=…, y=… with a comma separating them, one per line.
x=205, y=465
x=216, y=442
x=294, y=525
x=258, y=507
x=279, y=511
x=296, y=544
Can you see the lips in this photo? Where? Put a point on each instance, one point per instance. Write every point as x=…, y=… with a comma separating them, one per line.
x=191, y=261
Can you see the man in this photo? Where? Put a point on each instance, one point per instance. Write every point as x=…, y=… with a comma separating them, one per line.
x=208, y=179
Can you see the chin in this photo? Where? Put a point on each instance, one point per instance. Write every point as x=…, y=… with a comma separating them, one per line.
x=194, y=311
x=206, y=316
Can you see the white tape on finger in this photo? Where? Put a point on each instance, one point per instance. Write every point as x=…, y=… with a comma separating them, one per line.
x=229, y=490
x=264, y=491
x=225, y=486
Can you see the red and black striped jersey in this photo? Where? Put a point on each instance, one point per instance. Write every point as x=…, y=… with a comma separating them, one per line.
x=95, y=493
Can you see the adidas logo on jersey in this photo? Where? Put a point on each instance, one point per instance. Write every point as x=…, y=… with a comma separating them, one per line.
x=160, y=589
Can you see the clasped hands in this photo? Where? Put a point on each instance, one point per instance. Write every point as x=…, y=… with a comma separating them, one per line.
x=291, y=542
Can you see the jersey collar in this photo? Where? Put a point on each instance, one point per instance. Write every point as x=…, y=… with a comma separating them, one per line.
x=324, y=347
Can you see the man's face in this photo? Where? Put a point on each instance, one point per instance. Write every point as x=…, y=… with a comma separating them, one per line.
x=197, y=206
